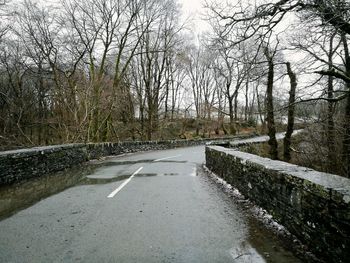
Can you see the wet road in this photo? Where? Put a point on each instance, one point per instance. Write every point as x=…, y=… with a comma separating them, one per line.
x=147, y=207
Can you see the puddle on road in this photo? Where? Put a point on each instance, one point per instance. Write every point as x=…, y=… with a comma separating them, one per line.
x=262, y=245
x=170, y=174
x=271, y=247
x=113, y=163
x=145, y=175
x=246, y=253
x=264, y=252
x=19, y=196
x=95, y=180
x=16, y=197
x=194, y=172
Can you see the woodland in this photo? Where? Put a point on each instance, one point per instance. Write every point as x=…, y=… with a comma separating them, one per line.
x=114, y=70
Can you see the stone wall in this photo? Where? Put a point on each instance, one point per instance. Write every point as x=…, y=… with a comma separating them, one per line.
x=97, y=150
x=313, y=206
x=22, y=164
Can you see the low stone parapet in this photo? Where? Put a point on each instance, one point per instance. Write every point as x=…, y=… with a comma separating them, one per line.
x=17, y=165
x=314, y=206
x=27, y=163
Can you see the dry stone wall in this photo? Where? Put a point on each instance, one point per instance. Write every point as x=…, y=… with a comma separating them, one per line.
x=23, y=164
x=312, y=205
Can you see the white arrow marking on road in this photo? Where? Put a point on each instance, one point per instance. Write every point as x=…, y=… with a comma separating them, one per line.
x=111, y=195
x=161, y=159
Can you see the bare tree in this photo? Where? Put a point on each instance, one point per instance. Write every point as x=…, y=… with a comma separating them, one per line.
x=200, y=71
x=152, y=65
x=234, y=69
x=291, y=110
x=4, y=27
x=259, y=22
x=270, y=56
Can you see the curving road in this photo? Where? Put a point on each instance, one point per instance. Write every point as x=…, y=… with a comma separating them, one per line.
x=147, y=207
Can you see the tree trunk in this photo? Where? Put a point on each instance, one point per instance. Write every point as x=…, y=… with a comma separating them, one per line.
x=166, y=102
x=149, y=122
x=246, y=101
x=42, y=110
x=261, y=117
x=269, y=108
x=96, y=113
x=330, y=131
x=346, y=139
x=142, y=121
x=232, y=117
x=291, y=109
x=236, y=106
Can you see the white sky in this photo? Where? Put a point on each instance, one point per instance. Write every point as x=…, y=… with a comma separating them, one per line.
x=193, y=9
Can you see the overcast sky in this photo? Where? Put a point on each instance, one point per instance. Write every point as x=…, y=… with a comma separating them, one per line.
x=193, y=9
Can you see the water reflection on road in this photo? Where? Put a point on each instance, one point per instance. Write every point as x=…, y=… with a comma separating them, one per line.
x=246, y=254
x=259, y=246
x=16, y=197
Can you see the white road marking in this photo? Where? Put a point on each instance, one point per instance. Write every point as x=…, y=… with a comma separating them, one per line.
x=161, y=159
x=111, y=195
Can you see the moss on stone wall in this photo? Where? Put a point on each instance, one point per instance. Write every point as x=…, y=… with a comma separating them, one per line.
x=312, y=205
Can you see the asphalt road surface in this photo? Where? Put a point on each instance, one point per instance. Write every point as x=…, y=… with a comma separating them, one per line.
x=147, y=207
